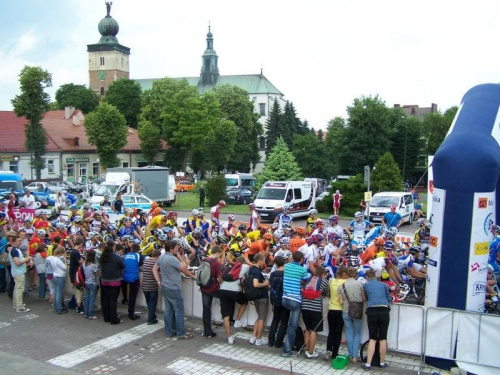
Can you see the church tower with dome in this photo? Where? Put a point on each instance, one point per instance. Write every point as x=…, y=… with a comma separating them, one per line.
x=108, y=59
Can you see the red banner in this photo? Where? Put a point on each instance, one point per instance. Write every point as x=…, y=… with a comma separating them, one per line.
x=22, y=214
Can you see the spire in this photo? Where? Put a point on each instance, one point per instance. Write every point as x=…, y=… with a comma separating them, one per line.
x=209, y=62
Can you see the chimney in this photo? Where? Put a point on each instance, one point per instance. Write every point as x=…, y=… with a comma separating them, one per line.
x=434, y=107
x=68, y=111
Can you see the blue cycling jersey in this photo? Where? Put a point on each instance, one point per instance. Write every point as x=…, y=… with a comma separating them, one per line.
x=494, y=250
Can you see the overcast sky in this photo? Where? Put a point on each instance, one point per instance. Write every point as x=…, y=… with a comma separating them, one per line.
x=320, y=54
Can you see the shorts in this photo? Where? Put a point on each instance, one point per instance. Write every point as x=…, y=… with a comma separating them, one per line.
x=378, y=319
x=228, y=299
x=313, y=320
x=261, y=306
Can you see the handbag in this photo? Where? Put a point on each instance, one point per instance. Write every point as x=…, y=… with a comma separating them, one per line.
x=355, y=309
x=4, y=259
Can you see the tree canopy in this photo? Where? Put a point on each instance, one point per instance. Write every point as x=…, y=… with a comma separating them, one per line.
x=125, y=95
x=107, y=130
x=150, y=137
x=32, y=103
x=386, y=175
x=436, y=126
x=78, y=96
x=312, y=156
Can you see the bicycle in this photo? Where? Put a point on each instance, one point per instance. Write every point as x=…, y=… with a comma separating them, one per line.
x=139, y=188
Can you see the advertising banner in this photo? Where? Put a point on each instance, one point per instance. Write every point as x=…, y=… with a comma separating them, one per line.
x=22, y=214
x=435, y=246
x=483, y=215
x=430, y=184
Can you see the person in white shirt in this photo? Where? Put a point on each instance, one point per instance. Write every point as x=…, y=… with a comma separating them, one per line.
x=28, y=200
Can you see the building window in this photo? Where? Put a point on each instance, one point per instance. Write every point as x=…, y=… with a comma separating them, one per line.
x=51, y=166
x=125, y=164
x=95, y=169
x=13, y=167
x=71, y=170
x=102, y=61
x=83, y=170
x=102, y=91
x=262, y=109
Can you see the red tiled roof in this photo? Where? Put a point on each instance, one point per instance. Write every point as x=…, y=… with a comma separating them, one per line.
x=61, y=133
x=12, y=133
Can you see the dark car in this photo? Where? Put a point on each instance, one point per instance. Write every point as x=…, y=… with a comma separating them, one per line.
x=240, y=196
x=68, y=185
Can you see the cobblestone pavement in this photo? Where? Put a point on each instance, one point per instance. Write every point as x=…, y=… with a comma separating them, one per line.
x=42, y=342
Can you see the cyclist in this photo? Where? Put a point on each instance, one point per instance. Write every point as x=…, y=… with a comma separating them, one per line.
x=254, y=217
x=157, y=222
x=494, y=251
x=319, y=227
x=391, y=263
x=408, y=262
x=358, y=227
x=313, y=215
x=334, y=226
x=261, y=246
x=332, y=253
x=215, y=210
x=77, y=228
x=372, y=250
x=312, y=256
x=129, y=230
x=393, y=218
x=226, y=229
x=374, y=233
x=284, y=217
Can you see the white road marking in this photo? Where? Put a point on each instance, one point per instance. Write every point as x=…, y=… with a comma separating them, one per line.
x=100, y=347
x=189, y=366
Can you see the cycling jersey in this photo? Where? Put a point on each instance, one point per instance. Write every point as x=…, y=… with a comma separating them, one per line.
x=378, y=265
x=310, y=224
x=358, y=228
x=310, y=255
x=225, y=226
x=95, y=226
x=296, y=243
x=215, y=211
x=126, y=232
x=75, y=230
x=329, y=259
x=254, y=220
x=254, y=235
x=492, y=257
x=371, y=235
x=284, y=219
x=156, y=222
x=337, y=229
x=29, y=232
x=405, y=261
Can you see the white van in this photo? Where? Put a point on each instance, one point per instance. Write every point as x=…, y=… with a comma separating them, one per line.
x=381, y=203
x=239, y=181
x=319, y=184
x=273, y=195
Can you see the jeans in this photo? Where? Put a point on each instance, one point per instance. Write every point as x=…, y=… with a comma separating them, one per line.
x=132, y=296
x=173, y=308
x=89, y=299
x=353, y=334
x=18, y=290
x=42, y=286
x=109, y=303
x=151, y=301
x=280, y=319
x=206, y=299
x=335, y=325
x=59, y=294
x=3, y=282
x=295, y=308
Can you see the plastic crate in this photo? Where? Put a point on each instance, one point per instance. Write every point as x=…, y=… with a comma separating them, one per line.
x=340, y=362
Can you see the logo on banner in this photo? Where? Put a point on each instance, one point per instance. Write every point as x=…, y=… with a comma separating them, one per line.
x=481, y=248
x=432, y=262
x=488, y=222
x=479, y=287
x=436, y=199
x=433, y=241
x=431, y=186
x=483, y=203
x=477, y=267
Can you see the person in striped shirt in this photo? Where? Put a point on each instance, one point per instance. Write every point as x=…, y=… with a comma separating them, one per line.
x=150, y=286
x=293, y=276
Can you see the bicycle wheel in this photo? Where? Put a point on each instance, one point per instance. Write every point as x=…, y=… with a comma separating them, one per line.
x=141, y=189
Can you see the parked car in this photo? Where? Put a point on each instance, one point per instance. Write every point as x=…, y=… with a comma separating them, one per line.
x=240, y=196
x=39, y=186
x=67, y=185
x=44, y=195
x=138, y=201
x=322, y=196
x=184, y=186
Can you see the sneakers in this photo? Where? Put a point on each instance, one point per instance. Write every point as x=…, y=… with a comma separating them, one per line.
x=314, y=354
x=79, y=310
x=22, y=309
x=286, y=354
x=365, y=367
x=210, y=336
x=327, y=356
x=239, y=324
x=260, y=342
x=253, y=340
x=134, y=317
x=231, y=340
x=153, y=322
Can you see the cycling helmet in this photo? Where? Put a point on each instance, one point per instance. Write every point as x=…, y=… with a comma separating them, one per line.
x=201, y=212
x=317, y=238
x=167, y=230
x=414, y=249
x=163, y=212
x=358, y=214
x=242, y=227
x=379, y=241
x=388, y=235
x=154, y=204
x=215, y=221
x=98, y=212
x=251, y=206
x=171, y=214
x=319, y=222
x=285, y=240
x=128, y=210
x=28, y=220
x=143, y=213
x=267, y=237
x=394, y=230
x=333, y=218
x=429, y=226
x=112, y=227
x=157, y=211
x=41, y=232
x=222, y=203
x=73, y=207
x=275, y=226
x=286, y=226
x=183, y=243
x=313, y=212
x=222, y=240
x=195, y=212
x=86, y=205
x=78, y=219
x=278, y=233
x=283, y=253
x=127, y=219
x=389, y=245
x=231, y=217
x=44, y=212
x=60, y=226
x=124, y=238
x=162, y=237
x=383, y=229
x=420, y=222
x=156, y=232
x=332, y=236
x=37, y=213
x=285, y=210
x=300, y=231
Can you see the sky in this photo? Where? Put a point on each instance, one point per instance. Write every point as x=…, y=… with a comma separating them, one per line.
x=322, y=54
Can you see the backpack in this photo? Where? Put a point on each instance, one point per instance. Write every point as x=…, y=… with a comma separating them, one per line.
x=204, y=277
x=232, y=272
x=312, y=289
x=276, y=291
x=79, y=280
x=299, y=342
x=251, y=292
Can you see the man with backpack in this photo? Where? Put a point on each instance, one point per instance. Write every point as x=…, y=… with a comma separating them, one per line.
x=75, y=260
x=262, y=301
x=209, y=288
x=280, y=314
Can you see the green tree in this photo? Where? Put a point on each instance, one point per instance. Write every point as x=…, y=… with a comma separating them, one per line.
x=150, y=137
x=236, y=107
x=352, y=191
x=334, y=143
x=78, y=96
x=274, y=126
x=406, y=140
x=312, y=156
x=221, y=144
x=32, y=103
x=181, y=113
x=436, y=126
x=107, y=130
x=291, y=124
x=367, y=134
x=125, y=95
x=320, y=134
x=280, y=165
x=216, y=189
x=386, y=175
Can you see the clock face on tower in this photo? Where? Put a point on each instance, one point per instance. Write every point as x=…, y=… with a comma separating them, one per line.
x=102, y=75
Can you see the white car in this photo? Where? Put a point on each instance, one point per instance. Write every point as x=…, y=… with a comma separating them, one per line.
x=322, y=196
x=137, y=201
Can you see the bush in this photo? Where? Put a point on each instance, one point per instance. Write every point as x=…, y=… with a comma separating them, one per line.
x=215, y=189
x=352, y=190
